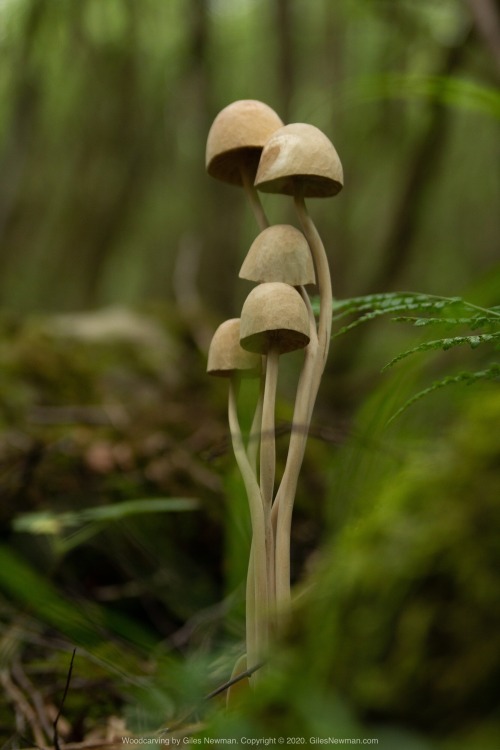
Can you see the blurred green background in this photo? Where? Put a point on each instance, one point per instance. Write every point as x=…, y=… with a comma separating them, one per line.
x=105, y=109
x=118, y=258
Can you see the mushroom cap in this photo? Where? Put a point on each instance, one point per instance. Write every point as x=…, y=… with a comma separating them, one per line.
x=299, y=158
x=274, y=315
x=279, y=253
x=225, y=355
x=237, y=137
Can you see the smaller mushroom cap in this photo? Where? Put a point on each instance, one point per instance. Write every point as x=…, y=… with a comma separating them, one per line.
x=225, y=355
x=274, y=315
x=279, y=253
x=299, y=158
x=237, y=137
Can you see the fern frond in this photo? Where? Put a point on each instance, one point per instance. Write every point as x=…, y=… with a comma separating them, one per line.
x=366, y=317
x=424, y=310
x=383, y=310
x=473, y=323
x=392, y=302
x=445, y=344
x=463, y=378
x=374, y=305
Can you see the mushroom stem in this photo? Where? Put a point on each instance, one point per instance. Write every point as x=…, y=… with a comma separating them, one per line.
x=323, y=280
x=267, y=442
x=310, y=353
x=257, y=424
x=255, y=650
x=252, y=652
x=255, y=429
x=314, y=364
x=283, y=505
x=268, y=458
x=254, y=199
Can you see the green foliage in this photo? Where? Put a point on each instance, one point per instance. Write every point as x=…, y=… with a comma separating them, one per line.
x=453, y=312
x=447, y=90
x=103, y=200
x=73, y=528
x=463, y=378
x=83, y=626
x=401, y=617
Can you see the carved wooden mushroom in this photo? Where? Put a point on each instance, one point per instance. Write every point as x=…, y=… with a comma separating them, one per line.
x=234, y=145
x=279, y=253
x=274, y=320
x=226, y=358
x=300, y=160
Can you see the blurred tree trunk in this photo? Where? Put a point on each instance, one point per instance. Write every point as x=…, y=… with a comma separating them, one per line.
x=422, y=169
x=25, y=105
x=284, y=23
x=198, y=67
x=195, y=103
x=98, y=219
x=486, y=15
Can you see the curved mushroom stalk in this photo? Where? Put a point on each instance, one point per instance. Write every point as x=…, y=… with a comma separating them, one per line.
x=254, y=199
x=226, y=358
x=274, y=320
x=299, y=160
x=268, y=443
x=282, y=510
x=268, y=458
x=323, y=276
x=257, y=638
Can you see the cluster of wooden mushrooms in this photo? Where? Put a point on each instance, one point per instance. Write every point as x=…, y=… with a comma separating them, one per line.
x=248, y=145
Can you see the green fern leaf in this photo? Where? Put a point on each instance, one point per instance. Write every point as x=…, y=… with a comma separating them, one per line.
x=463, y=378
x=445, y=344
x=473, y=322
x=389, y=303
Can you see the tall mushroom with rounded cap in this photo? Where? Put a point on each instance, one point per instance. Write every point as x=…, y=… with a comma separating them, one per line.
x=234, y=145
x=274, y=320
x=300, y=160
x=226, y=358
x=249, y=145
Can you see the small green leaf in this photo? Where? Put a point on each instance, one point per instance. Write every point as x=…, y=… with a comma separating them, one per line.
x=445, y=344
x=50, y=523
x=463, y=378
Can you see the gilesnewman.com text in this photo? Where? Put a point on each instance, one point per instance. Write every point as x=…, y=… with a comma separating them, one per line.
x=250, y=741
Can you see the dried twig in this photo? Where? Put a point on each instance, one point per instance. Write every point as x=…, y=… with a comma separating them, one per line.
x=23, y=708
x=66, y=688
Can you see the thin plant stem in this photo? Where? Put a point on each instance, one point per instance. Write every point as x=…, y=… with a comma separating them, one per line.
x=254, y=200
x=322, y=276
x=255, y=650
x=310, y=354
x=250, y=610
x=310, y=378
x=268, y=442
x=283, y=504
x=268, y=459
x=255, y=429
